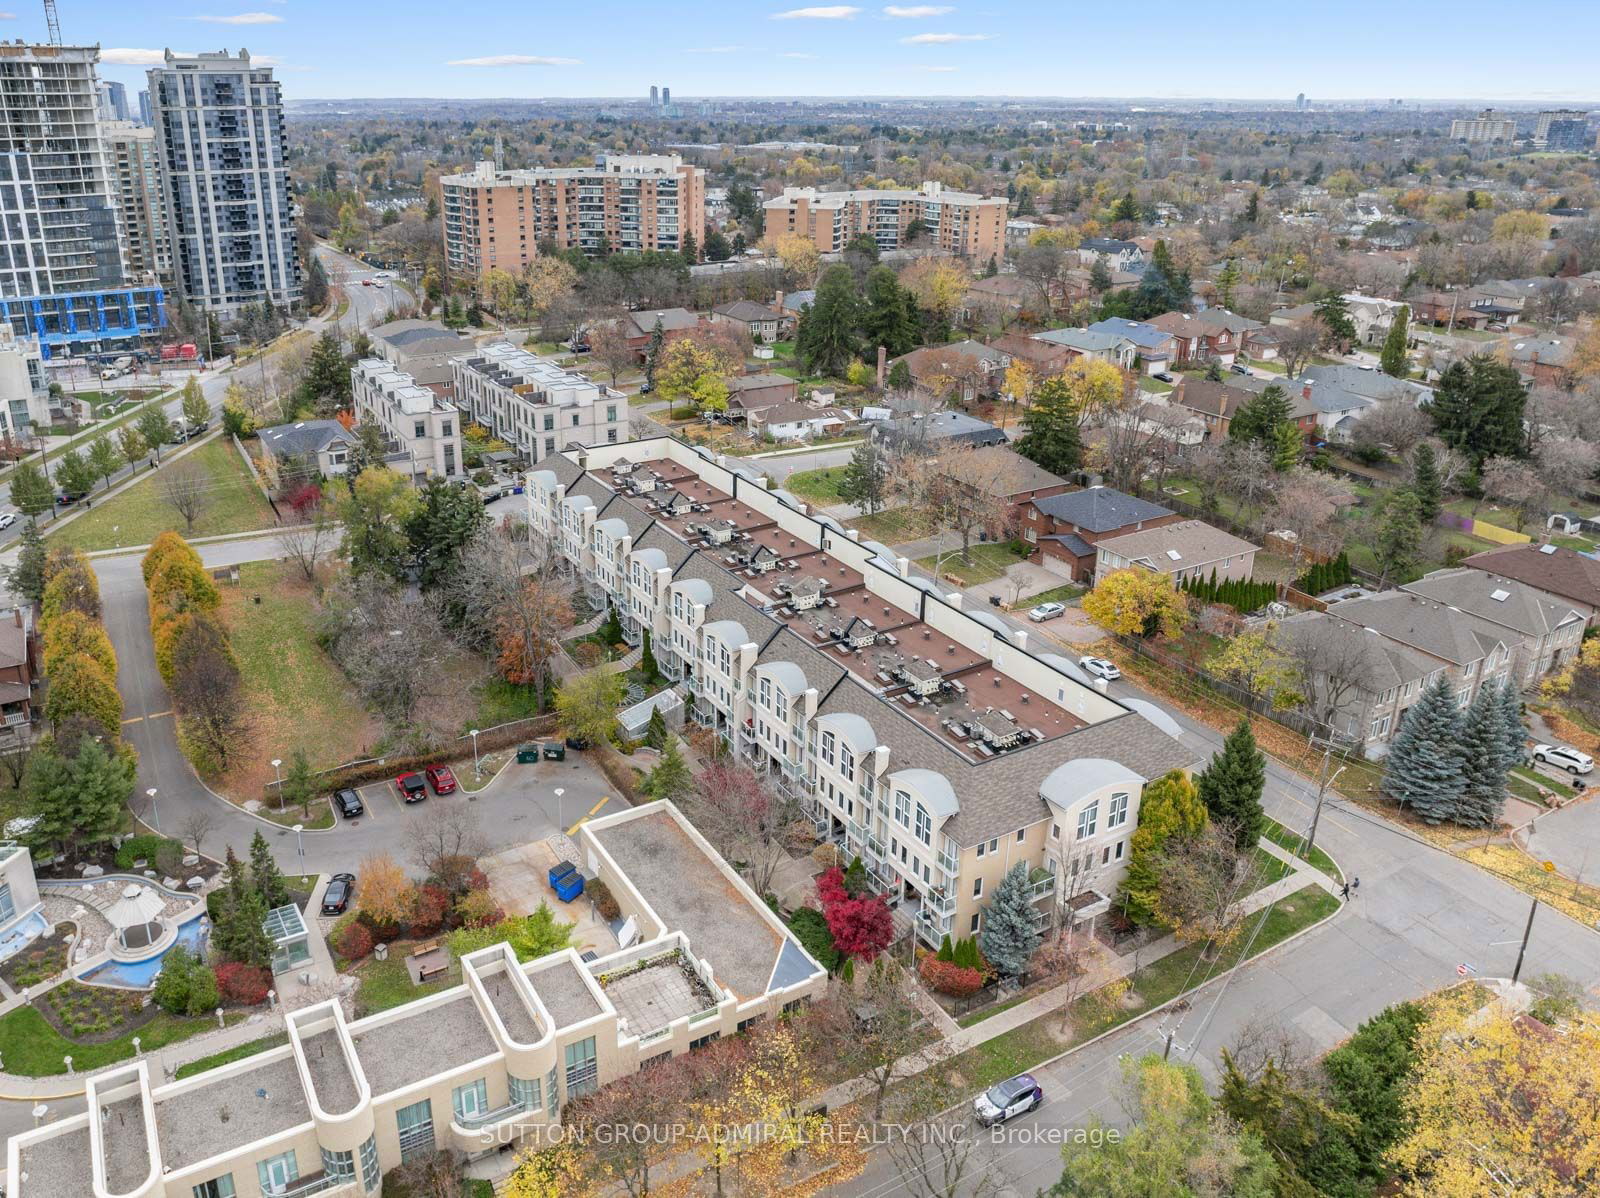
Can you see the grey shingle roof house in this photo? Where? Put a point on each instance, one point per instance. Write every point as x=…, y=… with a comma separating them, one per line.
x=1560, y=571
x=327, y=441
x=1100, y=509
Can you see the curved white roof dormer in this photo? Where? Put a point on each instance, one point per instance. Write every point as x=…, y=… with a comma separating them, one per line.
x=1068, y=667
x=695, y=590
x=614, y=528
x=650, y=559
x=851, y=728
x=1074, y=781
x=578, y=502
x=932, y=788
x=545, y=480
x=991, y=622
x=729, y=632
x=1156, y=716
x=879, y=549
x=786, y=674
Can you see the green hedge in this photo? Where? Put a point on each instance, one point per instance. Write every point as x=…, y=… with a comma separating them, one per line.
x=1241, y=594
x=145, y=848
x=1324, y=576
x=811, y=929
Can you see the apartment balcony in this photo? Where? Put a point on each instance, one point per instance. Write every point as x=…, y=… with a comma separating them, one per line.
x=1041, y=884
x=316, y=1183
x=941, y=902
x=488, y=1119
x=949, y=863
x=931, y=927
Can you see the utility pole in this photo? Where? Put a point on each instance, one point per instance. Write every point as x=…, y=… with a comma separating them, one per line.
x=1323, y=785
x=1521, y=952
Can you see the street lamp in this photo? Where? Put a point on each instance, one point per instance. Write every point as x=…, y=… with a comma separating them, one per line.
x=155, y=816
x=300, y=844
x=560, y=808
x=276, y=762
x=476, y=773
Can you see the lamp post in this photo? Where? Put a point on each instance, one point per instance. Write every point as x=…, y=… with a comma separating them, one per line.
x=476, y=772
x=560, y=808
x=155, y=815
x=276, y=762
x=300, y=845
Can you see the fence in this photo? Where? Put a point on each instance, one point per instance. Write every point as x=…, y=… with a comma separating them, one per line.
x=1482, y=529
x=256, y=475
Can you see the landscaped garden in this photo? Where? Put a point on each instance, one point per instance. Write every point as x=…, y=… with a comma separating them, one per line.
x=230, y=503
x=34, y=1045
x=985, y=562
x=817, y=486
x=44, y=958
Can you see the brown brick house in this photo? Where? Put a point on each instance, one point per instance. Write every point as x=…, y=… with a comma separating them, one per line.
x=1065, y=528
x=1196, y=340
x=19, y=671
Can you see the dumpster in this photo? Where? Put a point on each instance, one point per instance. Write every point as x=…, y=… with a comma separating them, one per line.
x=554, y=750
x=527, y=753
x=566, y=881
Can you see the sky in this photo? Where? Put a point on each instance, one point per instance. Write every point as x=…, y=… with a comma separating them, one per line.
x=1537, y=50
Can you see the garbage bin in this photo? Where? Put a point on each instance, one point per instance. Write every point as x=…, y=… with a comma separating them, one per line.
x=527, y=754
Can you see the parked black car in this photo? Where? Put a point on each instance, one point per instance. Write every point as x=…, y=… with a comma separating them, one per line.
x=338, y=894
x=348, y=803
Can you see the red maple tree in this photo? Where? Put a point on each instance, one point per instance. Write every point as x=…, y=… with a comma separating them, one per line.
x=861, y=927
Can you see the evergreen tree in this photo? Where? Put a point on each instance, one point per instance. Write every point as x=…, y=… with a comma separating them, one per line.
x=1423, y=771
x=864, y=481
x=826, y=342
x=1513, y=734
x=1214, y=371
x=1287, y=444
x=690, y=250
x=1398, y=537
x=1169, y=807
x=648, y=666
x=888, y=317
x=445, y=518
x=1334, y=313
x=1477, y=408
x=1126, y=209
x=1425, y=483
x=78, y=799
x=1252, y=208
x=1100, y=279
x=1392, y=361
x=264, y=875
x=1232, y=785
x=26, y=577
x=1227, y=279
x=326, y=385
x=656, y=731
x=1008, y=937
x=239, y=934
x=1484, y=761
x=652, y=352
x=1050, y=428
x=30, y=490
x=670, y=779
x=1259, y=416
x=299, y=783
x=899, y=377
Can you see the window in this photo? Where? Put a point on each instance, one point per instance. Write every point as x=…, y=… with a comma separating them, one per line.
x=583, y=1073
x=419, y=429
x=8, y=909
x=902, y=808
x=1087, y=819
x=445, y=429
x=370, y=1173
x=552, y=1097
x=924, y=825
x=1117, y=814
x=471, y=1099
x=994, y=844
x=575, y=420
x=524, y=1092
x=828, y=742
x=975, y=916
x=276, y=1172
x=217, y=1187
x=549, y=422
x=981, y=847
x=1379, y=729
x=1464, y=697
x=611, y=413
x=339, y=1165
x=847, y=763
x=415, y=1123
x=1120, y=845
x=1021, y=832
x=1055, y=831
x=977, y=887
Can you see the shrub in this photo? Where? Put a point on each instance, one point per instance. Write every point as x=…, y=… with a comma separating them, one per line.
x=946, y=977
x=604, y=901
x=185, y=985
x=203, y=996
x=355, y=941
x=477, y=909
x=243, y=985
x=147, y=848
x=428, y=907
x=810, y=927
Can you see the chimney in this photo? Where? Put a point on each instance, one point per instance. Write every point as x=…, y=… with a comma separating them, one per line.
x=777, y=301
x=1305, y=390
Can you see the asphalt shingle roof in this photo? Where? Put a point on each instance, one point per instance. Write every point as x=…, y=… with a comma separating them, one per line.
x=1100, y=509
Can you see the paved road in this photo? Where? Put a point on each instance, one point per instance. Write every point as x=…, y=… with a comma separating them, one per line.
x=780, y=468
x=368, y=305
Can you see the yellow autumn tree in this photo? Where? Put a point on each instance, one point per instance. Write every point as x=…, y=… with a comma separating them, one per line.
x=1520, y=224
x=1500, y=1104
x=1066, y=239
x=1096, y=387
x=692, y=374
x=937, y=284
x=799, y=256
x=1586, y=354
x=554, y=1172
x=1136, y=602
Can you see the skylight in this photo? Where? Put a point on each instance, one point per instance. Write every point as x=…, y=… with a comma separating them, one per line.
x=1500, y=596
x=1175, y=555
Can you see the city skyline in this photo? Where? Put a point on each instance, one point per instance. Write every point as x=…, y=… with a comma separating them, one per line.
x=366, y=51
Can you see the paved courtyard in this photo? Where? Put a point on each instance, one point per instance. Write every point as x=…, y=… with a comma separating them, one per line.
x=652, y=997
x=519, y=880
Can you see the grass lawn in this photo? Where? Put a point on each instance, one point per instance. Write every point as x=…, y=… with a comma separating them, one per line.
x=1155, y=386
x=1577, y=900
x=385, y=984
x=988, y=561
x=818, y=486
x=299, y=698
x=894, y=525
x=140, y=513
x=33, y=1048
x=228, y=1055
x=1271, y=367
x=320, y=816
x=1065, y=593
x=1527, y=784
x=500, y=702
x=1271, y=869
x=1294, y=843
x=1037, y=1041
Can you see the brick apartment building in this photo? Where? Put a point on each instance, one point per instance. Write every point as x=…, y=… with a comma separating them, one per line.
x=961, y=222
x=626, y=202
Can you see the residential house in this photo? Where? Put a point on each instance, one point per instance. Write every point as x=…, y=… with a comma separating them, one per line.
x=1156, y=348
x=1452, y=309
x=1083, y=343
x=421, y=430
x=797, y=422
x=1217, y=403
x=1003, y=293
x=963, y=370
x=1293, y=317
x=796, y=302
x=1007, y=478
x=1342, y=394
x=1545, y=361
x=1196, y=342
x=1555, y=570
x=1545, y=629
x=1360, y=684
x=751, y=392
x=920, y=430
x=764, y=324
x=19, y=674
x=1065, y=528
x=1371, y=316
x=1044, y=358
x=1261, y=344
x=322, y=445
x=1117, y=255
x=535, y=405
x=639, y=327
x=422, y=349
x=1238, y=327
x=1181, y=550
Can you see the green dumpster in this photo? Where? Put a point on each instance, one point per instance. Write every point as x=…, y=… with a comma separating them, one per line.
x=527, y=753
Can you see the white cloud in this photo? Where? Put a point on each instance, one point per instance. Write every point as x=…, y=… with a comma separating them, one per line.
x=944, y=39
x=930, y=67
x=827, y=12
x=715, y=50
x=514, y=60
x=796, y=54
x=912, y=12
x=127, y=56
x=243, y=18
x=8, y=16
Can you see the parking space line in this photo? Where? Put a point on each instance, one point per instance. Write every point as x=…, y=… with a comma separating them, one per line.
x=603, y=801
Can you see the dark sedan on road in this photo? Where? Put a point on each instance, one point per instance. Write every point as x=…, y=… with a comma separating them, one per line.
x=338, y=894
x=348, y=803
x=440, y=778
x=411, y=787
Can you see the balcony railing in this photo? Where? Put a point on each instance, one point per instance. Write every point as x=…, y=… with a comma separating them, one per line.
x=499, y=1114
x=1041, y=883
x=315, y=1183
x=941, y=903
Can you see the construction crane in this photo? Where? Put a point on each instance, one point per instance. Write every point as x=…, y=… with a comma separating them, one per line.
x=53, y=21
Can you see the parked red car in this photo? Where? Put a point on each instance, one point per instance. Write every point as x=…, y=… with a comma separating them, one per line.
x=440, y=778
x=411, y=788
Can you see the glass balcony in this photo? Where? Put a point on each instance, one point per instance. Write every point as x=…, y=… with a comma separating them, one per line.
x=1041, y=882
x=484, y=1119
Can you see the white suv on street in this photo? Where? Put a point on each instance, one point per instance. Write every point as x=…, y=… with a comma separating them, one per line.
x=1564, y=757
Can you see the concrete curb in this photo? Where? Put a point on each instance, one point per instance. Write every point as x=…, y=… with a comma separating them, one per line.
x=220, y=539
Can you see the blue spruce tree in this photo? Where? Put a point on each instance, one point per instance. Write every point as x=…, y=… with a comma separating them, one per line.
x=1484, y=760
x=1008, y=938
x=1424, y=766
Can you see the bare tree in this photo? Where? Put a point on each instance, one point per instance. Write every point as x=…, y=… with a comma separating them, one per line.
x=1296, y=345
x=960, y=487
x=207, y=689
x=390, y=647
x=185, y=487
x=309, y=542
x=608, y=343
x=936, y=1151
x=447, y=845
x=1122, y=445
x=1566, y=462
x=1336, y=665
x=197, y=825
x=508, y=596
x=874, y=1025
x=745, y=819
x=14, y=761
x=1397, y=424
x=1307, y=503
x=1517, y=484
x=1203, y=879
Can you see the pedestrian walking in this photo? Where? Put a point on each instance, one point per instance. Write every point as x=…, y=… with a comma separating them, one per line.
x=1344, y=892
x=1355, y=883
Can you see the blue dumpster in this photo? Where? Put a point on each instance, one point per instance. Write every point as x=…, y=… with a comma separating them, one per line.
x=566, y=881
